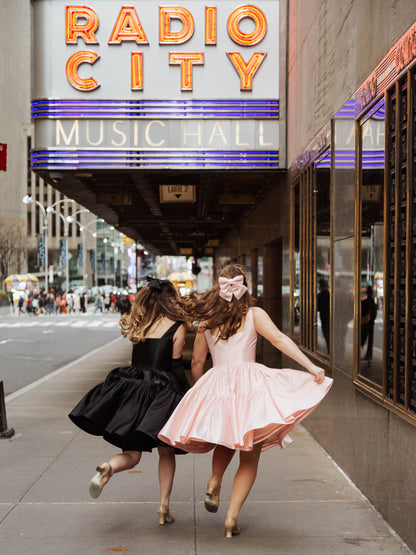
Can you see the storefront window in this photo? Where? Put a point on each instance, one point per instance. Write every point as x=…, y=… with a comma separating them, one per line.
x=323, y=249
x=311, y=263
x=372, y=244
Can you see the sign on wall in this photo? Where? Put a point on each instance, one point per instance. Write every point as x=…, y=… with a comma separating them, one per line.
x=129, y=76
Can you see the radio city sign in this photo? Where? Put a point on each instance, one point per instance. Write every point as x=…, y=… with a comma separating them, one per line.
x=115, y=62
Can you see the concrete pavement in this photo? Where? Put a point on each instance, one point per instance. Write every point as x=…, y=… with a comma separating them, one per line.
x=301, y=502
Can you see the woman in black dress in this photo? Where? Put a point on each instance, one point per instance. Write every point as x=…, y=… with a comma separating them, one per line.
x=134, y=402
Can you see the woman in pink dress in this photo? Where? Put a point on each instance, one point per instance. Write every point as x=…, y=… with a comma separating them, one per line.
x=239, y=405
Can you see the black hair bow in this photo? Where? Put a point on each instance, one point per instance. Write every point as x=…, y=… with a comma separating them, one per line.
x=155, y=283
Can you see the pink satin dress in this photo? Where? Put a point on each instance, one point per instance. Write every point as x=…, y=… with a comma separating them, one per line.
x=239, y=403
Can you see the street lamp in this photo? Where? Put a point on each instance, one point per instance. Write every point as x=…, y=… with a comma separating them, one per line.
x=83, y=229
x=27, y=199
x=66, y=235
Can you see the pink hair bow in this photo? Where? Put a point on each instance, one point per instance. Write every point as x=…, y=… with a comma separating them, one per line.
x=230, y=287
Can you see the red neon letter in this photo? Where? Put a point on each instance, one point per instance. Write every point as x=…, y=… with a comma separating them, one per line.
x=74, y=29
x=186, y=60
x=246, y=71
x=82, y=57
x=166, y=36
x=210, y=25
x=136, y=71
x=128, y=27
x=247, y=39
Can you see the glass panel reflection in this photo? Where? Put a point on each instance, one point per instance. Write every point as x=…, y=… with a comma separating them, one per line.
x=296, y=270
x=372, y=245
x=323, y=250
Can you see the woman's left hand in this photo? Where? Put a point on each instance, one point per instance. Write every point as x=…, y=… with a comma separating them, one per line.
x=318, y=373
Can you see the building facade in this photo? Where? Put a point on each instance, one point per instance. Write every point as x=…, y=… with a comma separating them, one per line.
x=338, y=236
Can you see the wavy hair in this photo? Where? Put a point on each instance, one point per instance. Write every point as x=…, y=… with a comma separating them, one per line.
x=149, y=305
x=215, y=312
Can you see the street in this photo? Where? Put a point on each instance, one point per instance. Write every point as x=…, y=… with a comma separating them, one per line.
x=33, y=346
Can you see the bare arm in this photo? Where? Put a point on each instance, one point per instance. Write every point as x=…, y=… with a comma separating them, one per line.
x=178, y=342
x=199, y=355
x=266, y=328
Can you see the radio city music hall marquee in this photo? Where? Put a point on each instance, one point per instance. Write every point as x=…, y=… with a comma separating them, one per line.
x=150, y=85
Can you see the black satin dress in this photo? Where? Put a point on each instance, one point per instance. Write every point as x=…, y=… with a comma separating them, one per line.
x=134, y=402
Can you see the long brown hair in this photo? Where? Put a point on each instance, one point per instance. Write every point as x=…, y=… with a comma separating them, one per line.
x=215, y=312
x=151, y=303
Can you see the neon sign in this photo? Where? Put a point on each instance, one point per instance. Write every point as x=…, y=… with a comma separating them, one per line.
x=82, y=22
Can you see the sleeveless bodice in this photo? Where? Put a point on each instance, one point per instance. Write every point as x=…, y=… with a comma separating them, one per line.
x=240, y=347
x=156, y=352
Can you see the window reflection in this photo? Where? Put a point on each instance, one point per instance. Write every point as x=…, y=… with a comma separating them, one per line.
x=323, y=250
x=296, y=261
x=372, y=244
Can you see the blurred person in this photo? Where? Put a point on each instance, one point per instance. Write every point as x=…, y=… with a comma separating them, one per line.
x=20, y=304
x=98, y=302
x=77, y=302
x=107, y=302
x=133, y=403
x=239, y=405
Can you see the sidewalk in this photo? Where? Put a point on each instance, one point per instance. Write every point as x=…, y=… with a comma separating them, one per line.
x=300, y=503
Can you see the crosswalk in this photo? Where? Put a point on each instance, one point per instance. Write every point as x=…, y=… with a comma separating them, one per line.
x=68, y=323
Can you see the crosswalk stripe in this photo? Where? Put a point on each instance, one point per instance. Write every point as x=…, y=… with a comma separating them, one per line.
x=78, y=324
x=97, y=323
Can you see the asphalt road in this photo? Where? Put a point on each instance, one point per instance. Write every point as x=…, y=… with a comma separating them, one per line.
x=33, y=346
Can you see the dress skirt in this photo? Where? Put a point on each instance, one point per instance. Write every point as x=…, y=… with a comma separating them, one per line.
x=130, y=407
x=240, y=405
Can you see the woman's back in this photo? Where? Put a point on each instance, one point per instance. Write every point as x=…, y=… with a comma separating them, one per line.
x=240, y=347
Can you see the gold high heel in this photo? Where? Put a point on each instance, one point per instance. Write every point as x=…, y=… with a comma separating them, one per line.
x=212, y=497
x=231, y=527
x=96, y=486
x=164, y=515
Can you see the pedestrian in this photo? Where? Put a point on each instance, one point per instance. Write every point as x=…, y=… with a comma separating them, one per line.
x=98, y=302
x=77, y=302
x=20, y=304
x=107, y=302
x=239, y=405
x=133, y=403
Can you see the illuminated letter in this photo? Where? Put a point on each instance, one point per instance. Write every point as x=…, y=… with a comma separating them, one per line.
x=246, y=71
x=210, y=25
x=101, y=137
x=82, y=57
x=74, y=29
x=166, y=36
x=247, y=39
x=124, y=138
x=59, y=130
x=128, y=27
x=217, y=132
x=261, y=135
x=187, y=134
x=186, y=61
x=237, y=135
x=147, y=133
x=136, y=71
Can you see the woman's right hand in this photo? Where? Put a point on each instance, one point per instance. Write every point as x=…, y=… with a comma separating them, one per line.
x=318, y=373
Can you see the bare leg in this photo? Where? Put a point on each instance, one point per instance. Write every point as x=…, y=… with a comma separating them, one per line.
x=167, y=466
x=220, y=460
x=244, y=479
x=122, y=461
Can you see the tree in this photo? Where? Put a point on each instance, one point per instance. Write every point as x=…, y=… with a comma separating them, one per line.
x=13, y=247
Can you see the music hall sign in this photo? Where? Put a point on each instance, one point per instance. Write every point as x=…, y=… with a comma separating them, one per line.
x=143, y=85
